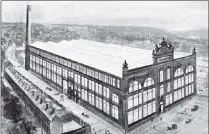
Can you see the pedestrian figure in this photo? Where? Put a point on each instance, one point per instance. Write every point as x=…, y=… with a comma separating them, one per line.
x=161, y=118
x=61, y=97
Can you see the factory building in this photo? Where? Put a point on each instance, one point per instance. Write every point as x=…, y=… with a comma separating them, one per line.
x=128, y=86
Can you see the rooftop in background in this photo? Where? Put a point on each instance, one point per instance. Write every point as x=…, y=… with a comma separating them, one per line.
x=105, y=57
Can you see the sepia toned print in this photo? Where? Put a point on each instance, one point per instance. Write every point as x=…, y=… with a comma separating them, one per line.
x=64, y=75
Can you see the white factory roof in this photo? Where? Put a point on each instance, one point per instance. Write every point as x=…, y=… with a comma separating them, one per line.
x=105, y=57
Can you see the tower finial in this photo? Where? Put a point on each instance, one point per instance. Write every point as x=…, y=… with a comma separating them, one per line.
x=194, y=51
x=163, y=39
x=125, y=65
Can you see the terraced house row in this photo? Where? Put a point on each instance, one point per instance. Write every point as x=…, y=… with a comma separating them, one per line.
x=123, y=84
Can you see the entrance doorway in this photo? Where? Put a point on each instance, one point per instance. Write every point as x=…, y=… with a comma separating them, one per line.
x=161, y=107
x=65, y=90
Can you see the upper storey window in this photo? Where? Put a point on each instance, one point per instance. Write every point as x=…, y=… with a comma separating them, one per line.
x=178, y=72
x=148, y=82
x=161, y=75
x=189, y=69
x=134, y=85
x=168, y=73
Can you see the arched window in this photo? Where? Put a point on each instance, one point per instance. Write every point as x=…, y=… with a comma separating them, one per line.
x=148, y=82
x=135, y=85
x=140, y=86
x=189, y=69
x=131, y=87
x=178, y=72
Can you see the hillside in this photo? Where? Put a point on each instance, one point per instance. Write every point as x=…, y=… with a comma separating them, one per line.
x=193, y=34
x=141, y=37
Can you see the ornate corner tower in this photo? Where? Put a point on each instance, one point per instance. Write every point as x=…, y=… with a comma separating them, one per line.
x=162, y=52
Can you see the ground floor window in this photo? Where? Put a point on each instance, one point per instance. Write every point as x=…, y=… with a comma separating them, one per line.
x=175, y=96
x=106, y=106
x=168, y=99
x=54, y=78
x=59, y=80
x=48, y=74
x=99, y=102
x=115, y=111
x=134, y=115
x=145, y=110
x=84, y=94
x=91, y=98
x=44, y=72
x=161, y=90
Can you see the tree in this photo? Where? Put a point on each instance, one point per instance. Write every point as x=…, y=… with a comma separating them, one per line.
x=12, y=108
x=27, y=126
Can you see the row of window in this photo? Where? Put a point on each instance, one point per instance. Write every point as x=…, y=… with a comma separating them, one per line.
x=90, y=72
x=179, y=94
x=99, y=103
x=180, y=81
x=141, y=112
x=57, y=79
x=135, y=85
x=136, y=99
x=46, y=73
x=98, y=88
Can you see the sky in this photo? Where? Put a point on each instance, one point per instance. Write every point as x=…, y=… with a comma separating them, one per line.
x=166, y=15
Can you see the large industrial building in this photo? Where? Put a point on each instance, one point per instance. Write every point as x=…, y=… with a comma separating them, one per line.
x=126, y=85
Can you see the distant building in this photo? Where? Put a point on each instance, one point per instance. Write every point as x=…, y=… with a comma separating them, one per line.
x=121, y=84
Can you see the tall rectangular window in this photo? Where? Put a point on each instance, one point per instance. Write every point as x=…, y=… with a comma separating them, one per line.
x=161, y=90
x=115, y=111
x=145, y=110
x=168, y=73
x=149, y=94
x=106, y=92
x=149, y=108
x=140, y=97
x=145, y=96
x=140, y=112
x=136, y=114
x=161, y=75
x=115, y=98
x=136, y=99
x=153, y=107
x=130, y=117
x=118, y=83
x=169, y=87
x=130, y=102
x=113, y=81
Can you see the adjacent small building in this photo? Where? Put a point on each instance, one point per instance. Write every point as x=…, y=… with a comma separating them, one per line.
x=54, y=118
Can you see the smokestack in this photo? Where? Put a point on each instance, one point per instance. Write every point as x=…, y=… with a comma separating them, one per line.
x=28, y=37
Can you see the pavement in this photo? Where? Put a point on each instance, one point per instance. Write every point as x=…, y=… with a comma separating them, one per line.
x=178, y=115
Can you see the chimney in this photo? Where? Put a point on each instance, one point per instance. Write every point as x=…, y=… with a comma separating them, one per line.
x=48, y=104
x=28, y=37
x=53, y=110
